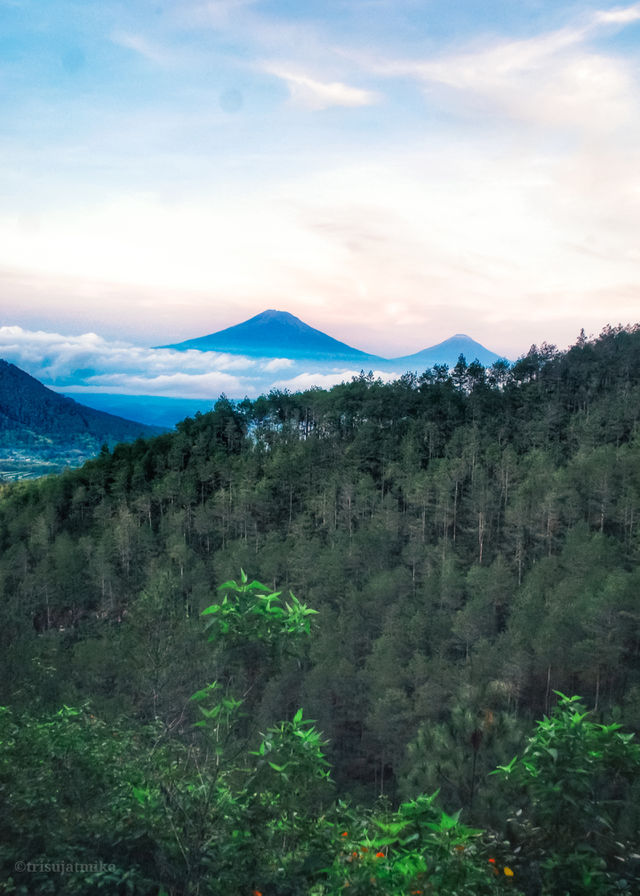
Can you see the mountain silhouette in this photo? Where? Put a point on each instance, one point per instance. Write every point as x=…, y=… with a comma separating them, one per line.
x=448, y=352
x=276, y=334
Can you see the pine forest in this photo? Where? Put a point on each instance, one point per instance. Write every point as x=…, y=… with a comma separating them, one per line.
x=377, y=639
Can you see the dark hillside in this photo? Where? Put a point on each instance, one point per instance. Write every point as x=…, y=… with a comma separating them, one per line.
x=38, y=426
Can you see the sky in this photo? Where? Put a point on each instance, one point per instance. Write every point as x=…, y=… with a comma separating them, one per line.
x=390, y=171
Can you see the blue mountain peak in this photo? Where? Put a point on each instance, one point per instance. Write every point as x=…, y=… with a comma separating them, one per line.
x=279, y=334
x=275, y=334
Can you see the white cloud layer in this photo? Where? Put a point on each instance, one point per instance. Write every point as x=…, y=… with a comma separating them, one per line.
x=622, y=15
x=304, y=381
x=90, y=364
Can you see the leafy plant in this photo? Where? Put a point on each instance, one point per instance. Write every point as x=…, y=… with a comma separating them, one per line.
x=69, y=785
x=417, y=849
x=250, y=611
x=571, y=783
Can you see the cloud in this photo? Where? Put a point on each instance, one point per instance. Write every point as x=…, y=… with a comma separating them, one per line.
x=319, y=95
x=90, y=363
x=622, y=15
x=551, y=79
x=176, y=385
x=87, y=364
x=60, y=356
x=436, y=242
x=278, y=364
x=304, y=381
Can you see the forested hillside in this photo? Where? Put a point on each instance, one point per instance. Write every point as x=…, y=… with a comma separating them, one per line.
x=469, y=539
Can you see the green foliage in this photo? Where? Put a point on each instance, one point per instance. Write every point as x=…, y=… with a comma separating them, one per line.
x=250, y=611
x=67, y=786
x=574, y=776
x=417, y=849
x=205, y=815
x=141, y=810
x=457, y=755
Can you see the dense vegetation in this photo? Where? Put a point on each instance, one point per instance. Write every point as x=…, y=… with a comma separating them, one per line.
x=470, y=542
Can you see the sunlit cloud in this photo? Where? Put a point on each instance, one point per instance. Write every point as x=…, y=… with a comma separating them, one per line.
x=326, y=380
x=623, y=15
x=91, y=363
x=553, y=78
x=278, y=364
x=88, y=364
x=318, y=95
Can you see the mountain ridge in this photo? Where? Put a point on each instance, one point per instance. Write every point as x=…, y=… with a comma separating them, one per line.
x=271, y=333
x=449, y=350
x=44, y=431
x=277, y=334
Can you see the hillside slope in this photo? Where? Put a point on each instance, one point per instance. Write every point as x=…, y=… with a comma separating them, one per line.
x=42, y=431
x=448, y=352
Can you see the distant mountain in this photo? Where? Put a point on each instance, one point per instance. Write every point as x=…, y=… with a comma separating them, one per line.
x=448, y=352
x=276, y=334
x=41, y=430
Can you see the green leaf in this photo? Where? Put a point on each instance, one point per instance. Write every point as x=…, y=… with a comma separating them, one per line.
x=505, y=769
x=392, y=827
x=140, y=795
x=205, y=692
x=214, y=608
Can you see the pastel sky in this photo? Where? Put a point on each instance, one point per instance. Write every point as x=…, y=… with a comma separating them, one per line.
x=391, y=171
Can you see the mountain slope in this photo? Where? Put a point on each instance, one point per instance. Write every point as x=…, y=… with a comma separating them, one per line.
x=275, y=334
x=278, y=334
x=448, y=352
x=41, y=430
